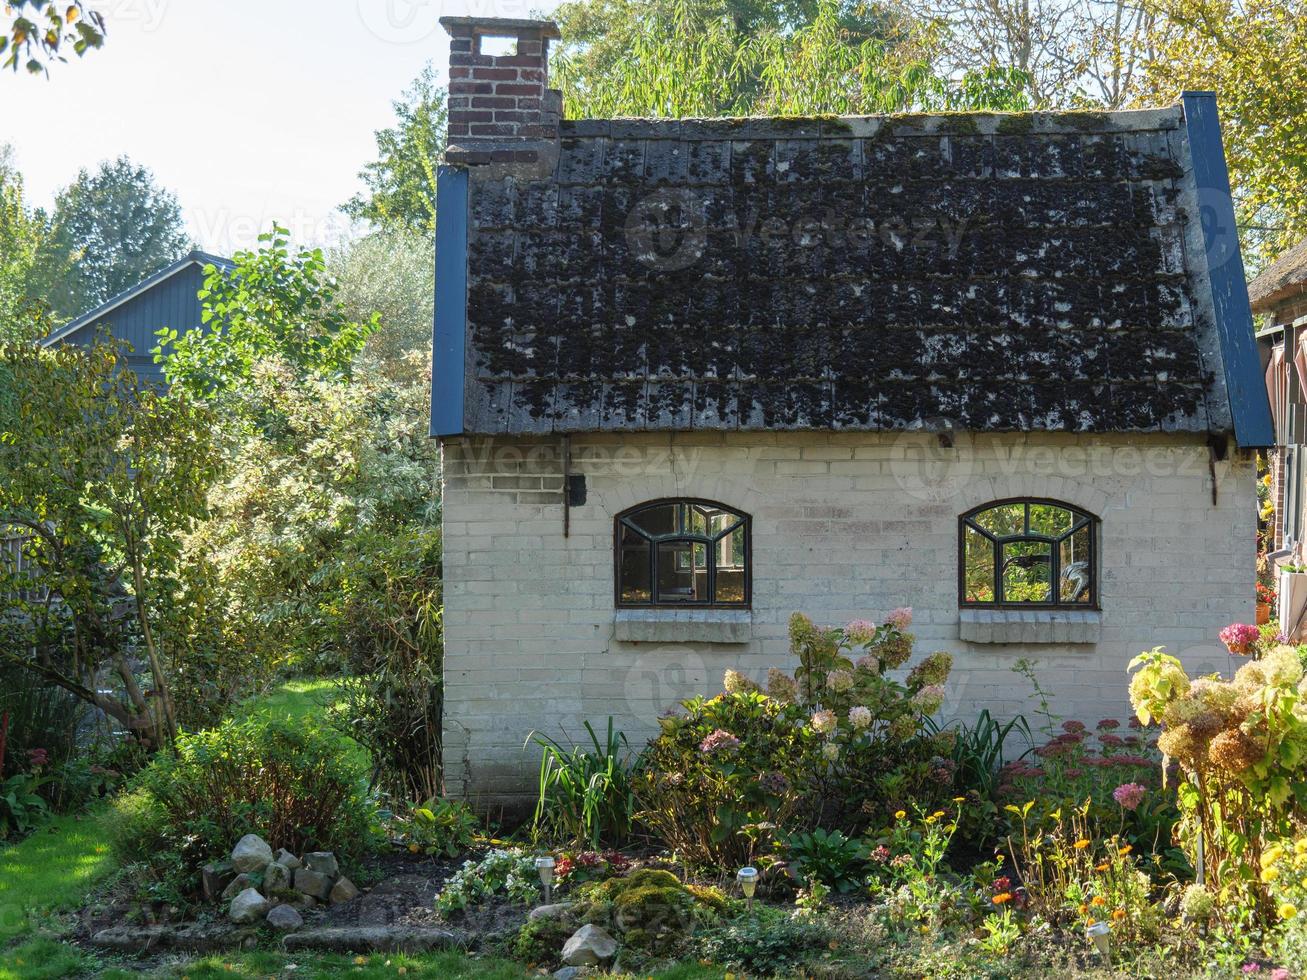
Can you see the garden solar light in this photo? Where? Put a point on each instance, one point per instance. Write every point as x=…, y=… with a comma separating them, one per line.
x=748, y=879
x=545, y=866
x=1098, y=934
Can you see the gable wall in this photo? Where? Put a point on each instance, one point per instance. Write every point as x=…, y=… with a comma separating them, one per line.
x=172, y=303
x=845, y=525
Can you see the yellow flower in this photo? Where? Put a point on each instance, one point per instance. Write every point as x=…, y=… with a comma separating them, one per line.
x=1080, y=845
x=1271, y=855
x=937, y=814
x=1098, y=901
x=1270, y=874
x=360, y=960
x=1118, y=914
x=963, y=799
x=900, y=815
x=1288, y=911
x=1300, y=846
x=1084, y=909
x=1125, y=850
x=1089, y=922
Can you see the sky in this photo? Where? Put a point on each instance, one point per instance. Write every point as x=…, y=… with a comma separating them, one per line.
x=247, y=110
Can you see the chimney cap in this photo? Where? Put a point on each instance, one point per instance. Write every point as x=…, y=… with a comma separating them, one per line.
x=499, y=26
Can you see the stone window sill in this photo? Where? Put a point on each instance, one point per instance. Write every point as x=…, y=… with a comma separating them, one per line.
x=1030, y=625
x=683, y=625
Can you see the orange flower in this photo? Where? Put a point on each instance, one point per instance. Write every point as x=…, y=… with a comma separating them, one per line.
x=1118, y=915
x=1080, y=845
x=1098, y=901
x=1103, y=867
x=1002, y=898
x=1125, y=850
x=1084, y=909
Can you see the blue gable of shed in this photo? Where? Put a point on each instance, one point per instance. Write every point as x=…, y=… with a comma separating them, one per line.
x=166, y=299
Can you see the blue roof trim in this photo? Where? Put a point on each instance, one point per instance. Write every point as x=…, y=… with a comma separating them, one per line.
x=449, y=332
x=195, y=256
x=1249, y=407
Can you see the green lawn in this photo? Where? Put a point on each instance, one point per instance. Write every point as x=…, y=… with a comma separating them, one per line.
x=299, y=699
x=51, y=870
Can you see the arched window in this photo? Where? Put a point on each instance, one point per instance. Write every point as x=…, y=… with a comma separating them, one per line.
x=682, y=553
x=1028, y=553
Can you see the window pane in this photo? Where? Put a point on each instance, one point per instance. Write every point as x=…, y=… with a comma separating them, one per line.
x=656, y=520
x=1050, y=520
x=682, y=571
x=730, y=567
x=979, y=554
x=1075, y=558
x=1027, y=566
x=1003, y=520
x=633, y=568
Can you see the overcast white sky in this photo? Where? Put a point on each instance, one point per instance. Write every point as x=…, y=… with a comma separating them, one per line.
x=248, y=110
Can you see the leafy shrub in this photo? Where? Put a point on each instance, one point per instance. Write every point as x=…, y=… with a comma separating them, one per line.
x=511, y=874
x=980, y=757
x=137, y=827
x=21, y=805
x=1242, y=744
x=769, y=942
x=441, y=827
x=288, y=782
x=838, y=745
x=585, y=794
x=827, y=857
x=36, y=715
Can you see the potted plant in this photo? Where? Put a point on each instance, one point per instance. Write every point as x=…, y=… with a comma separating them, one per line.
x=1265, y=599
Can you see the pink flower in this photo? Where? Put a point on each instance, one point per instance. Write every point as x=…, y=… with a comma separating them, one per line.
x=1073, y=727
x=860, y=632
x=719, y=741
x=1240, y=637
x=900, y=618
x=1109, y=739
x=1129, y=795
x=1108, y=724
x=37, y=757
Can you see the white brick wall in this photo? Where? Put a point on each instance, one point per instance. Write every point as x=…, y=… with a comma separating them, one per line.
x=844, y=526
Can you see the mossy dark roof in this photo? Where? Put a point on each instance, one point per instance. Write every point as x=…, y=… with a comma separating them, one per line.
x=994, y=272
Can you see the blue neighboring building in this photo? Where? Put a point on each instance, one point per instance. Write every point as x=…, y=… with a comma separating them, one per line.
x=166, y=299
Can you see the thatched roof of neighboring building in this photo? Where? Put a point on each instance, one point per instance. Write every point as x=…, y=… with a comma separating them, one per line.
x=1284, y=277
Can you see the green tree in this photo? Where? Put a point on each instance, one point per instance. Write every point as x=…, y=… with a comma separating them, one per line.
x=682, y=63
x=21, y=232
x=270, y=305
x=1254, y=56
x=103, y=477
x=40, y=31
x=401, y=182
x=110, y=229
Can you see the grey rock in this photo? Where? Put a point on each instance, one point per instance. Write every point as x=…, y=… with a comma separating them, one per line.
x=236, y=886
x=248, y=906
x=276, y=877
x=368, y=939
x=589, y=946
x=567, y=973
x=312, y=883
x=343, y=890
x=555, y=911
x=323, y=862
x=285, y=857
x=251, y=854
x=196, y=937
x=215, y=877
x=285, y=918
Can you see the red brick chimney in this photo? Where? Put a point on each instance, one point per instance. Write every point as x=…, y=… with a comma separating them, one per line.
x=498, y=102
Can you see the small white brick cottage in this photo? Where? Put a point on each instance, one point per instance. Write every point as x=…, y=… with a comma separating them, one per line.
x=694, y=375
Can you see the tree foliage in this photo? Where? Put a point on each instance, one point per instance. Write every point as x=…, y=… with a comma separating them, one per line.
x=1253, y=54
x=22, y=231
x=103, y=477
x=682, y=61
x=40, y=31
x=401, y=182
x=110, y=229
x=272, y=304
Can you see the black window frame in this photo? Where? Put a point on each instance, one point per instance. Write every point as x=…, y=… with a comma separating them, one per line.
x=624, y=520
x=1081, y=518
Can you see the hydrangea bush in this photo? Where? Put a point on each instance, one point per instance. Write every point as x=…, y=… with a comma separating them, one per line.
x=836, y=744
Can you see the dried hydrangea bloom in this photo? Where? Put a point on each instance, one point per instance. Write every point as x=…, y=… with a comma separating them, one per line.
x=860, y=632
x=737, y=683
x=1178, y=743
x=903, y=728
x=869, y=662
x=824, y=721
x=839, y=681
x=900, y=618
x=1282, y=666
x=1218, y=696
x=895, y=650
x=1234, y=751
x=719, y=741
x=929, y=699
x=802, y=631
x=1141, y=690
x=933, y=670
x=859, y=716
x=1250, y=676
x=831, y=750
x=782, y=686
x=1197, y=903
